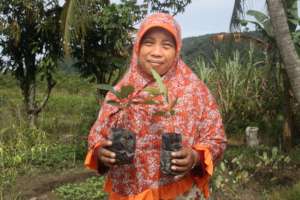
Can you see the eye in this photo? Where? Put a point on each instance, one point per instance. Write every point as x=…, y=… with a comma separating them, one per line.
x=147, y=42
x=168, y=45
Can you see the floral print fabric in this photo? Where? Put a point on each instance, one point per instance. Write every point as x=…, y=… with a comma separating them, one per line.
x=196, y=117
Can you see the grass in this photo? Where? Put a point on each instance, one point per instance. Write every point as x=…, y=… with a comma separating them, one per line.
x=287, y=193
x=60, y=141
x=90, y=189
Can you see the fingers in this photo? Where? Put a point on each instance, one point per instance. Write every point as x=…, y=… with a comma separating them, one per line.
x=107, y=157
x=106, y=153
x=106, y=143
x=182, y=160
x=180, y=169
x=180, y=154
x=108, y=161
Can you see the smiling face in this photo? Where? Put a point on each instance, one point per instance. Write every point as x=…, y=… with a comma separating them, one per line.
x=157, y=51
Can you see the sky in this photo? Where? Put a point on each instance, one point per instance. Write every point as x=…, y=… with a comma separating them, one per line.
x=209, y=16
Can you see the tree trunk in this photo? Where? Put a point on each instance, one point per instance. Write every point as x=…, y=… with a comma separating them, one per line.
x=32, y=114
x=29, y=90
x=288, y=128
x=285, y=44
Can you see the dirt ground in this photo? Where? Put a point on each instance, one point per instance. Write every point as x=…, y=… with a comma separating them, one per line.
x=40, y=186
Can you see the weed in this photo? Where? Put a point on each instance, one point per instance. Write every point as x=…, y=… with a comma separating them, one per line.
x=90, y=189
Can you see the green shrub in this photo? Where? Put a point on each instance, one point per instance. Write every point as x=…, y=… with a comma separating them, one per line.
x=59, y=142
x=286, y=193
x=247, y=95
x=90, y=189
x=241, y=165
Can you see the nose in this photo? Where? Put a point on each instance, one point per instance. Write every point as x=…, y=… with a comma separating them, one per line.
x=156, y=51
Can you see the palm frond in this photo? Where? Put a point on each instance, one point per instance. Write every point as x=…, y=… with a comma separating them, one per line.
x=75, y=18
x=238, y=12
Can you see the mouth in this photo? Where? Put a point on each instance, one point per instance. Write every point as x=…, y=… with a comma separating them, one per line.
x=155, y=63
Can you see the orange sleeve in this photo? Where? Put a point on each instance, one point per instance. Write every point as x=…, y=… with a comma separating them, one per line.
x=98, y=134
x=91, y=157
x=92, y=162
x=202, y=173
x=210, y=140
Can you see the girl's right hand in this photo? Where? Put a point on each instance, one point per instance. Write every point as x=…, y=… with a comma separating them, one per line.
x=108, y=158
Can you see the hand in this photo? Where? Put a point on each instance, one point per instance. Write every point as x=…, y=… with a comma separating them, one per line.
x=183, y=161
x=108, y=158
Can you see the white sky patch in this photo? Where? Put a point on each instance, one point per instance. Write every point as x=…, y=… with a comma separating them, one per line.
x=203, y=17
x=209, y=16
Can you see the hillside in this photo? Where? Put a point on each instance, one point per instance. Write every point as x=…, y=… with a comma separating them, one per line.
x=205, y=47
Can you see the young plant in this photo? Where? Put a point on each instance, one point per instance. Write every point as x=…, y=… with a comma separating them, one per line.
x=124, y=93
x=162, y=90
x=171, y=141
x=123, y=140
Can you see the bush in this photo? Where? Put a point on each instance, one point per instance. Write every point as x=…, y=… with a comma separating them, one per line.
x=58, y=143
x=241, y=165
x=292, y=193
x=246, y=94
x=90, y=189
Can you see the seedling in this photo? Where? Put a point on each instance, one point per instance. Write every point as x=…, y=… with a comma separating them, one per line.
x=123, y=140
x=170, y=141
x=162, y=90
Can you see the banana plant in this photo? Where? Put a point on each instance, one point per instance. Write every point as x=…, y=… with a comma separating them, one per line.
x=262, y=23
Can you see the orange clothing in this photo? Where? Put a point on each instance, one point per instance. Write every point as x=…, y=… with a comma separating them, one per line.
x=196, y=117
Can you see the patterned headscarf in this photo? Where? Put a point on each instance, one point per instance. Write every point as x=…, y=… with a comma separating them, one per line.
x=165, y=21
x=135, y=76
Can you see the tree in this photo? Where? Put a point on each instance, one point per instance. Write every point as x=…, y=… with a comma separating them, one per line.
x=285, y=43
x=99, y=34
x=170, y=6
x=30, y=48
x=287, y=49
x=100, y=42
x=284, y=20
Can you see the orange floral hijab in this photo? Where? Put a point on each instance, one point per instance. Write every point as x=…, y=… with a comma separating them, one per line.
x=135, y=77
x=197, y=118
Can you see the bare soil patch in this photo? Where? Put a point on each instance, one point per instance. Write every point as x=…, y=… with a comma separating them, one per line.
x=40, y=186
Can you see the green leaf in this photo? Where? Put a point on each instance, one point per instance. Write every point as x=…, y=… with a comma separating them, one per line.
x=113, y=103
x=150, y=102
x=126, y=91
x=174, y=103
x=109, y=88
x=153, y=91
x=263, y=21
x=259, y=16
x=162, y=87
x=106, y=87
x=160, y=113
x=243, y=22
x=294, y=21
x=172, y=112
